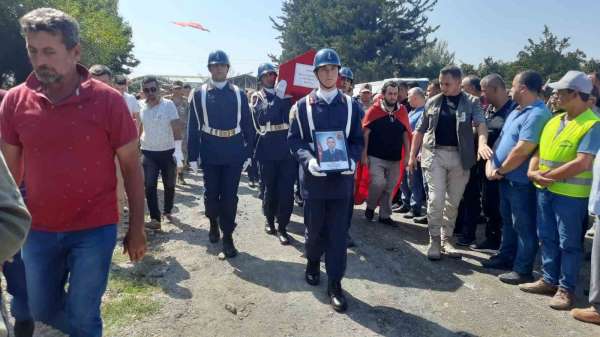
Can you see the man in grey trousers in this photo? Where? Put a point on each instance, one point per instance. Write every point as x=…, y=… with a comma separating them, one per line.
x=592, y=314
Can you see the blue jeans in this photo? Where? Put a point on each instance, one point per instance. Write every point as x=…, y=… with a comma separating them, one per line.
x=14, y=272
x=81, y=259
x=560, y=227
x=412, y=189
x=519, y=237
x=417, y=189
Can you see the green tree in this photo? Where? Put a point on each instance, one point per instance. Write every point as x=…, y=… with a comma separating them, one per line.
x=105, y=36
x=550, y=56
x=432, y=59
x=492, y=66
x=376, y=38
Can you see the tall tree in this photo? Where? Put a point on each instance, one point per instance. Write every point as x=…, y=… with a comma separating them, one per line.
x=376, y=38
x=432, y=59
x=105, y=36
x=550, y=56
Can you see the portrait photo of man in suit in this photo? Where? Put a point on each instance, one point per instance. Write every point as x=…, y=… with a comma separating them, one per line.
x=332, y=153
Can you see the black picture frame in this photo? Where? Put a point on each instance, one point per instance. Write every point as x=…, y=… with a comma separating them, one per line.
x=339, y=159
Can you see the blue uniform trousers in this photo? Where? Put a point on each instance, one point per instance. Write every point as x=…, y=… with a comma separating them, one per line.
x=220, y=196
x=278, y=177
x=326, y=223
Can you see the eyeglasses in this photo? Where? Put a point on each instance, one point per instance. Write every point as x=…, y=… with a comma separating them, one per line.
x=150, y=90
x=121, y=83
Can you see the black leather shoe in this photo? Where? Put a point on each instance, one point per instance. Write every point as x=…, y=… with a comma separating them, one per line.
x=24, y=328
x=515, y=278
x=283, y=236
x=388, y=221
x=336, y=296
x=403, y=209
x=214, y=234
x=228, y=247
x=312, y=274
x=369, y=214
x=486, y=246
x=497, y=263
x=270, y=227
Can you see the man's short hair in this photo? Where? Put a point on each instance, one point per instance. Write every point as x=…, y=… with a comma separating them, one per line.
x=532, y=80
x=388, y=84
x=51, y=21
x=494, y=80
x=150, y=79
x=177, y=84
x=435, y=82
x=328, y=138
x=120, y=79
x=474, y=81
x=451, y=70
x=402, y=84
x=416, y=91
x=100, y=70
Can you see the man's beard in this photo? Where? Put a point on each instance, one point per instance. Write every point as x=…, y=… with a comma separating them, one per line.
x=47, y=76
x=389, y=104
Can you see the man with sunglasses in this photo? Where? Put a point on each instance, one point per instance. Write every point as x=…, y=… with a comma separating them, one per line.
x=160, y=127
x=561, y=170
x=277, y=166
x=220, y=132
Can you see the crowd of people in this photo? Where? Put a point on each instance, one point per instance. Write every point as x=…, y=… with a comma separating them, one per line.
x=520, y=157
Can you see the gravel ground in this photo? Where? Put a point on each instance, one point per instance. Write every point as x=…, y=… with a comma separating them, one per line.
x=393, y=290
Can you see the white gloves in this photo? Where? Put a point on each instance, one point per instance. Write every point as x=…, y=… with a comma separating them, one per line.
x=314, y=169
x=194, y=166
x=280, y=88
x=352, y=168
x=246, y=164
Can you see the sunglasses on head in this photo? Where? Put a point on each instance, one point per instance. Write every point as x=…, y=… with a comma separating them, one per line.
x=151, y=89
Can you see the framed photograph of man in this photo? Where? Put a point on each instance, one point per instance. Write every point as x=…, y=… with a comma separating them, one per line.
x=332, y=150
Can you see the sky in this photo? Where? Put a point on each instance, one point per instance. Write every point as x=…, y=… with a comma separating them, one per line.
x=474, y=29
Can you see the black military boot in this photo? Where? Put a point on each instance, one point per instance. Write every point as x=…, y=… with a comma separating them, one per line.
x=228, y=248
x=214, y=234
x=270, y=226
x=283, y=236
x=312, y=274
x=336, y=296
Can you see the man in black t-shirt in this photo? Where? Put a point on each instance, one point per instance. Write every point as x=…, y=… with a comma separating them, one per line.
x=385, y=136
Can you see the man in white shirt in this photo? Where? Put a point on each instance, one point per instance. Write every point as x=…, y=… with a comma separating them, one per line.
x=160, y=125
x=121, y=84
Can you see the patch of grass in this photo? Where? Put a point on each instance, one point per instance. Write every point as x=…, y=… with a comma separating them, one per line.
x=128, y=298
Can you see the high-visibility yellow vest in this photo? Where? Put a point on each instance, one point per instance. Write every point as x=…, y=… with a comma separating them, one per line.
x=558, y=149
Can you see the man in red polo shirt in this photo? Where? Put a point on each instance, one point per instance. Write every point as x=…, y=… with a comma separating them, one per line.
x=60, y=133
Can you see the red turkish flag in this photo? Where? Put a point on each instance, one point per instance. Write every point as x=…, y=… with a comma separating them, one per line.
x=191, y=25
x=297, y=74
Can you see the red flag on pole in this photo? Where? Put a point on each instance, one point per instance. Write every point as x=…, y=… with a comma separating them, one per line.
x=191, y=24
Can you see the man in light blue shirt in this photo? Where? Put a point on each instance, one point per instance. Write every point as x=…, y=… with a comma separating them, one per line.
x=517, y=142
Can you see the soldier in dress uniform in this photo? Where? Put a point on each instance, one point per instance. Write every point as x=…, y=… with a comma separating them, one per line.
x=277, y=166
x=220, y=132
x=327, y=195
